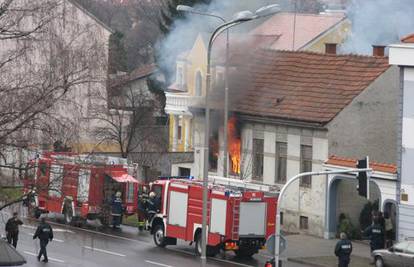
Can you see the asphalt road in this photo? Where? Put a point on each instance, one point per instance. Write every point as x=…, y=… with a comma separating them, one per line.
x=84, y=247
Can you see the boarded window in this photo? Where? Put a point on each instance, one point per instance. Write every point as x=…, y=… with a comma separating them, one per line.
x=306, y=165
x=258, y=155
x=281, y=162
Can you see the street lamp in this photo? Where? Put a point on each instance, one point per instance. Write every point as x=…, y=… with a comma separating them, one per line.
x=192, y=10
x=238, y=18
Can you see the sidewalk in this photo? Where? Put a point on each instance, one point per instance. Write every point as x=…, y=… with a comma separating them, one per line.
x=318, y=252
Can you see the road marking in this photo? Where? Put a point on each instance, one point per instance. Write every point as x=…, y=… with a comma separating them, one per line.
x=54, y=239
x=212, y=258
x=54, y=230
x=104, y=251
x=50, y=258
x=157, y=263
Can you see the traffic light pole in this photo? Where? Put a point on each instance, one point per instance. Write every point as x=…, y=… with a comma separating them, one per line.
x=282, y=193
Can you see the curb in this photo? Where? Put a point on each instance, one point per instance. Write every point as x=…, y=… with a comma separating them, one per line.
x=305, y=262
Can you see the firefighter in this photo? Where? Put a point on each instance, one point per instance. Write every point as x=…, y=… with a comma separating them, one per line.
x=12, y=229
x=343, y=250
x=45, y=234
x=116, y=210
x=142, y=208
x=375, y=232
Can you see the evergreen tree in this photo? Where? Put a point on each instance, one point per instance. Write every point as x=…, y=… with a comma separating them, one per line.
x=170, y=13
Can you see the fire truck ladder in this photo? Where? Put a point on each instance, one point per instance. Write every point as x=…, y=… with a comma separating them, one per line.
x=243, y=184
x=236, y=219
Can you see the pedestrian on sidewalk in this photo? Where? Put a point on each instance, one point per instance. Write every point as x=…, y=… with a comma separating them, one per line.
x=45, y=234
x=12, y=229
x=376, y=235
x=343, y=250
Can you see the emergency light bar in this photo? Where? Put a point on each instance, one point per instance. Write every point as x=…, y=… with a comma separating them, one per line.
x=176, y=177
x=243, y=184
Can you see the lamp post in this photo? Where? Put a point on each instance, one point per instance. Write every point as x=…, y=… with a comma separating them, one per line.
x=192, y=10
x=239, y=18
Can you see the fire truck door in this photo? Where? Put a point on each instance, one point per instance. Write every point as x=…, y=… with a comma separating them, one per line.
x=218, y=216
x=177, y=211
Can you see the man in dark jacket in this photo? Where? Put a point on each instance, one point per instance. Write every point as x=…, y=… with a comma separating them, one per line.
x=45, y=234
x=116, y=210
x=375, y=233
x=343, y=250
x=12, y=229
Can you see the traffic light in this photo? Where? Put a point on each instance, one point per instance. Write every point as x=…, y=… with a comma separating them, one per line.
x=362, y=177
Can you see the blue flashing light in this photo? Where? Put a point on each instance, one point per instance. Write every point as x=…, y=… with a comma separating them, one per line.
x=175, y=177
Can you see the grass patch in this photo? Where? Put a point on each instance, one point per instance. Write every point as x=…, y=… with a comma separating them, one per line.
x=130, y=220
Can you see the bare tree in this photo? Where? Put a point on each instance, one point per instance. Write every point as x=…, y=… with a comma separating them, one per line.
x=132, y=120
x=51, y=61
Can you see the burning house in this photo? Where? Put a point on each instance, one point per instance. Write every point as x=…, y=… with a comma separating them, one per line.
x=289, y=112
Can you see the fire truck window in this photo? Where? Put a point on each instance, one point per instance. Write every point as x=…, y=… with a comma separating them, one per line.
x=31, y=172
x=157, y=190
x=56, y=181
x=83, y=185
x=130, y=193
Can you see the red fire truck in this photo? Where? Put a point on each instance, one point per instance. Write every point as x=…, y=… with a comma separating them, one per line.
x=75, y=186
x=241, y=215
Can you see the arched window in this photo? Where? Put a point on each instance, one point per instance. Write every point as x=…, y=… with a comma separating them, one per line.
x=198, y=84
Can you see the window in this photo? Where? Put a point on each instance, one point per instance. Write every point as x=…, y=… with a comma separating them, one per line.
x=180, y=77
x=281, y=162
x=179, y=129
x=306, y=164
x=184, y=171
x=304, y=223
x=401, y=247
x=258, y=147
x=198, y=84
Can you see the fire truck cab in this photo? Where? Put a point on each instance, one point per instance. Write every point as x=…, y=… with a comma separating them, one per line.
x=79, y=187
x=240, y=216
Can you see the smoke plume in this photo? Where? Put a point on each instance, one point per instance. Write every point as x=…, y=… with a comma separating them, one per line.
x=184, y=31
x=378, y=22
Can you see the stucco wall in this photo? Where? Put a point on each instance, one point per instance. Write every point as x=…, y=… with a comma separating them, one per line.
x=298, y=201
x=368, y=125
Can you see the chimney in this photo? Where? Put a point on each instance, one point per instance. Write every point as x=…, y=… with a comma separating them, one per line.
x=330, y=48
x=378, y=50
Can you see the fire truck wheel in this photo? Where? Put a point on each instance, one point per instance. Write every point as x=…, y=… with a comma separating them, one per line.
x=211, y=251
x=159, y=239
x=197, y=247
x=68, y=213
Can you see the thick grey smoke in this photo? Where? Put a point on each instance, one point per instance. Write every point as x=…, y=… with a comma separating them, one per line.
x=378, y=22
x=184, y=31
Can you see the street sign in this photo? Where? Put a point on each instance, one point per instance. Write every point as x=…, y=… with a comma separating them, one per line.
x=270, y=244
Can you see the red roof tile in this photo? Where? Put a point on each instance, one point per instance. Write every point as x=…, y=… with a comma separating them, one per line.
x=347, y=162
x=308, y=27
x=301, y=86
x=408, y=39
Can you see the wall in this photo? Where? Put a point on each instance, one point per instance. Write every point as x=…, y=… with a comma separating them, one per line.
x=336, y=35
x=368, y=125
x=298, y=201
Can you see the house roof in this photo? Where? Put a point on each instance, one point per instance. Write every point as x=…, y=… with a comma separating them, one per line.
x=408, y=39
x=84, y=10
x=348, y=162
x=301, y=86
x=298, y=29
x=136, y=74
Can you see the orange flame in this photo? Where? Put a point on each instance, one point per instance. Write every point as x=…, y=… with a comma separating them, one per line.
x=234, y=145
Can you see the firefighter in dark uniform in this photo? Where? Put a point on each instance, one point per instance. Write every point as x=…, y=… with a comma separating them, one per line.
x=12, y=229
x=343, y=250
x=45, y=234
x=375, y=233
x=116, y=210
x=142, y=208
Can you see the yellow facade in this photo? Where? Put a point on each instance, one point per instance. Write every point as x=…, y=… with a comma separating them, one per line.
x=336, y=35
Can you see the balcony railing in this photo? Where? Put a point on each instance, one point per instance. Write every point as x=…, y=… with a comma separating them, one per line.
x=182, y=102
